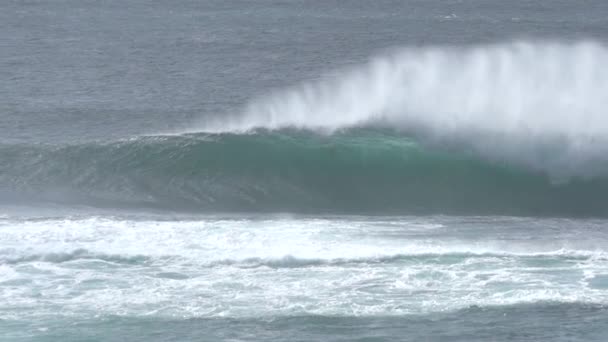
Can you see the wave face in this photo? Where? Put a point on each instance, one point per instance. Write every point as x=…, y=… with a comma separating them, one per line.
x=358, y=170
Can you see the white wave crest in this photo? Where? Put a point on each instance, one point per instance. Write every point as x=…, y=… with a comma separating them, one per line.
x=542, y=105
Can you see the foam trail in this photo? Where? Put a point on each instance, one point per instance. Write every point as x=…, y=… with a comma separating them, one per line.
x=538, y=104
x=276, y=266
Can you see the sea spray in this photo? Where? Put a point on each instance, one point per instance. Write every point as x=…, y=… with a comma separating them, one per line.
x=540, y=105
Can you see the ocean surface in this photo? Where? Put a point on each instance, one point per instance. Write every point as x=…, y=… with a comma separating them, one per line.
x=303, y=170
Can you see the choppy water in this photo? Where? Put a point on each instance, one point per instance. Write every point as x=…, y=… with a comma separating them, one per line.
x=295, y=171
x=301, y=277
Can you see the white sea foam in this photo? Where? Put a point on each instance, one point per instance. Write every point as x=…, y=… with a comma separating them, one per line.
x=248, y=267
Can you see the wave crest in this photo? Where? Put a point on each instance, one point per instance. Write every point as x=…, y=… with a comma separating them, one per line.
x=540, y=105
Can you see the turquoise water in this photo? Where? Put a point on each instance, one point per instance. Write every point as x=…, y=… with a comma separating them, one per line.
x=284, y=277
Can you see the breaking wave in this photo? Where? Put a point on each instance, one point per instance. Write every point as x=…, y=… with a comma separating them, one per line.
x=515, y=128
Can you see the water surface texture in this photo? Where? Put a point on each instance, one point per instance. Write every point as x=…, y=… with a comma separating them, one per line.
x=303, y=170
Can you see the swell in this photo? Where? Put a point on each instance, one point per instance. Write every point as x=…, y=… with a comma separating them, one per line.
x=357, y=170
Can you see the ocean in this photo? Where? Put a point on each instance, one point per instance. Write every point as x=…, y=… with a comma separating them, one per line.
x=303, y=170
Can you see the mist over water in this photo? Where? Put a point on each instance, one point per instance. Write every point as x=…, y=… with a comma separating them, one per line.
x=537, y=104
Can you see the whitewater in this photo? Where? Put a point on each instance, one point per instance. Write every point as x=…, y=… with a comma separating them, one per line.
x=80, y=269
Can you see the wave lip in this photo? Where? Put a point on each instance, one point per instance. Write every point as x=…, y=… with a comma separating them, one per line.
x=538, y=87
